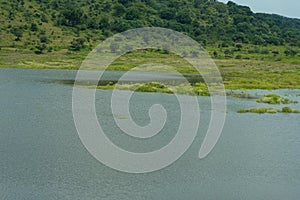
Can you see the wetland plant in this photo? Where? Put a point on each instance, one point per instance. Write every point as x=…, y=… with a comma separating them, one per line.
x=275, y=99
x=268, y=110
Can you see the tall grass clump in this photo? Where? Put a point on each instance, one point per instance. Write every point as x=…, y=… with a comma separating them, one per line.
x=275, y=99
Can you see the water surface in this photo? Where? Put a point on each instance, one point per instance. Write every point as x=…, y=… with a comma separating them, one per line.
x=41, y=156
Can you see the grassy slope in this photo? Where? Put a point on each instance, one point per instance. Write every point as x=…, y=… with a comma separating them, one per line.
x=246, y=68
x=237, y=73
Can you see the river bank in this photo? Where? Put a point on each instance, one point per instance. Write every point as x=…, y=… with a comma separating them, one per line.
x=236, y=73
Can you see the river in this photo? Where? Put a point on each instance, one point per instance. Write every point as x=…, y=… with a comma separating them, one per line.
x=42, y=157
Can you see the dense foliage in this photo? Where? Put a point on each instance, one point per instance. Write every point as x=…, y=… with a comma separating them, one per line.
x=37, y=23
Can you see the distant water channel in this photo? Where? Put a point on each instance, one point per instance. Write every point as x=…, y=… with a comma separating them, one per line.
x=42, y=157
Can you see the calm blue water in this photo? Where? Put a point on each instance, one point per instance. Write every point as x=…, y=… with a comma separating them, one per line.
x=41, y=156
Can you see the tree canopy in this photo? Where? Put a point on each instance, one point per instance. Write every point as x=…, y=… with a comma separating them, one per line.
x=207, y=21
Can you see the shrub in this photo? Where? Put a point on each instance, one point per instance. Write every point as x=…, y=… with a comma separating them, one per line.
x=238, y=56
x=40, y=48
x=264, y=51
x=77, y=44
x=33, y=27
x=291, y=52
x=43, y=39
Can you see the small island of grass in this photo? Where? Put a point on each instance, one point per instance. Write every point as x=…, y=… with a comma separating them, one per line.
x=268, y=110
x=275, y=99
x=198, y=89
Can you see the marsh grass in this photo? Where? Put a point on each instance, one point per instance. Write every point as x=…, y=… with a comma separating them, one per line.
x=268, y=110
x=242, y=95
x=275, y=99
x=198, y=89
x=236, y=73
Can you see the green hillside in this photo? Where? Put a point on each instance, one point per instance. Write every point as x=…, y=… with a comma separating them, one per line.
x=251, y=50
x=53, y=24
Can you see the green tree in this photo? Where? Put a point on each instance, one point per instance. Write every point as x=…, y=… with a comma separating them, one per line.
x=168, y=13
x=120, y=25
x=132, y=13
x=183, y=16
x=71, y=16
x=119, y=10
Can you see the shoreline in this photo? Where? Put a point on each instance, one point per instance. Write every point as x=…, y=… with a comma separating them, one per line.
x=231, y=83
x=237, y=74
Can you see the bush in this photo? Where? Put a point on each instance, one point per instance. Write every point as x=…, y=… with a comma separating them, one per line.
x=43, y=39
x=40, y=48
x=290, y=52
x=215, y=53
x=239, y=46
x=17, y=32
x=238, y=56
x=264, y=51
x=33, y=27
x=77, y=44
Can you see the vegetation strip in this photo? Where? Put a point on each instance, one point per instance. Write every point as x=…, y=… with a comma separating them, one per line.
x=268, y=110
